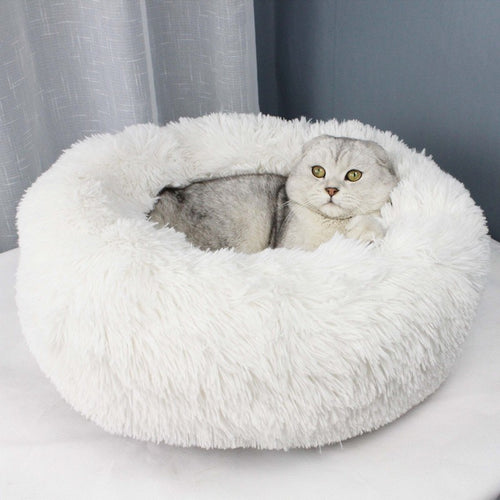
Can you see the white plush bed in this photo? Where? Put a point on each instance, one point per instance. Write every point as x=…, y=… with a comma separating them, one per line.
x=446, y=448
x=154, y=339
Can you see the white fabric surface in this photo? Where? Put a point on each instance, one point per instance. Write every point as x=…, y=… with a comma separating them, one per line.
x=155, y=339
x=447, y=447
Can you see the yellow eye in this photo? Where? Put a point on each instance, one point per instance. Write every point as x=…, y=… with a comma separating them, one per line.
x=353, y=175
x=318, y=171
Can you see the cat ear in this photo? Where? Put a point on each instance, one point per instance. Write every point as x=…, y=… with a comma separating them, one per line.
x=381, y=155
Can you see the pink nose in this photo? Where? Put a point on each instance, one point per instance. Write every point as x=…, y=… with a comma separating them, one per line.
x=332, y=191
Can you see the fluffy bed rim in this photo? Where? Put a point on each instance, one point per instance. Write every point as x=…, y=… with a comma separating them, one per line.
x=152, y=338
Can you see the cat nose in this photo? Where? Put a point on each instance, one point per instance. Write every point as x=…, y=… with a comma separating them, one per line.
x=331, y=191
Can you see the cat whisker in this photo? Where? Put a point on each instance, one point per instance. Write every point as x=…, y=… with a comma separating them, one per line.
x=285, y=220
x=287, y=216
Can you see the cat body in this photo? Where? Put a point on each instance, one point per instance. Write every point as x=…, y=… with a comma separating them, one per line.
x=337, y=185
x=244, y=212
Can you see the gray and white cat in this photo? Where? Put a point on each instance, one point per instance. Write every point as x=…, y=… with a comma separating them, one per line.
x=337, y=185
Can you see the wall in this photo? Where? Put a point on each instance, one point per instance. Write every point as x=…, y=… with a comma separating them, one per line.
x=429, y=71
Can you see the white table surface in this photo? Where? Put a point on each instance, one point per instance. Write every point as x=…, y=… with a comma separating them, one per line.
x=446, y=448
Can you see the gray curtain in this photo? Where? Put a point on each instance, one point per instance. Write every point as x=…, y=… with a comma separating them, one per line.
x=73, y=68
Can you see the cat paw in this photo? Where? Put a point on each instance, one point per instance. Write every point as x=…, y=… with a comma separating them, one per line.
x=365, y=228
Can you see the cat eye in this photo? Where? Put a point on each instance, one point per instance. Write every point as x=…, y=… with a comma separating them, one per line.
x=318, y=171
x=353, y=175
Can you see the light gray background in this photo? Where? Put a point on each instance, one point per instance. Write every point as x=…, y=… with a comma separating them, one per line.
x=427, y=70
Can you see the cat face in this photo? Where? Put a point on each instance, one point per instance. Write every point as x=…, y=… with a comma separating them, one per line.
x=340, y=177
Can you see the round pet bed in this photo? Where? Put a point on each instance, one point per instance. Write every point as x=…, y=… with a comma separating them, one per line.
x=153, y=338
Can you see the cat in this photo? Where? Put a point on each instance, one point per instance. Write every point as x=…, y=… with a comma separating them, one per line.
x=337, y=185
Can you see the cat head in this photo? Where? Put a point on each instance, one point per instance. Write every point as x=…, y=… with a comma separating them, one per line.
x=340, y=177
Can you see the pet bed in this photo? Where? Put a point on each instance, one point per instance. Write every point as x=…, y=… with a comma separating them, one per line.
x=153, y=338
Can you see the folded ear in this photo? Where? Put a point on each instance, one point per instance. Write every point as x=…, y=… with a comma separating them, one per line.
x=383, y=158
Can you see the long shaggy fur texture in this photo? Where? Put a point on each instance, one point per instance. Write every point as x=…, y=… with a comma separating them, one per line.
x=153, y=338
